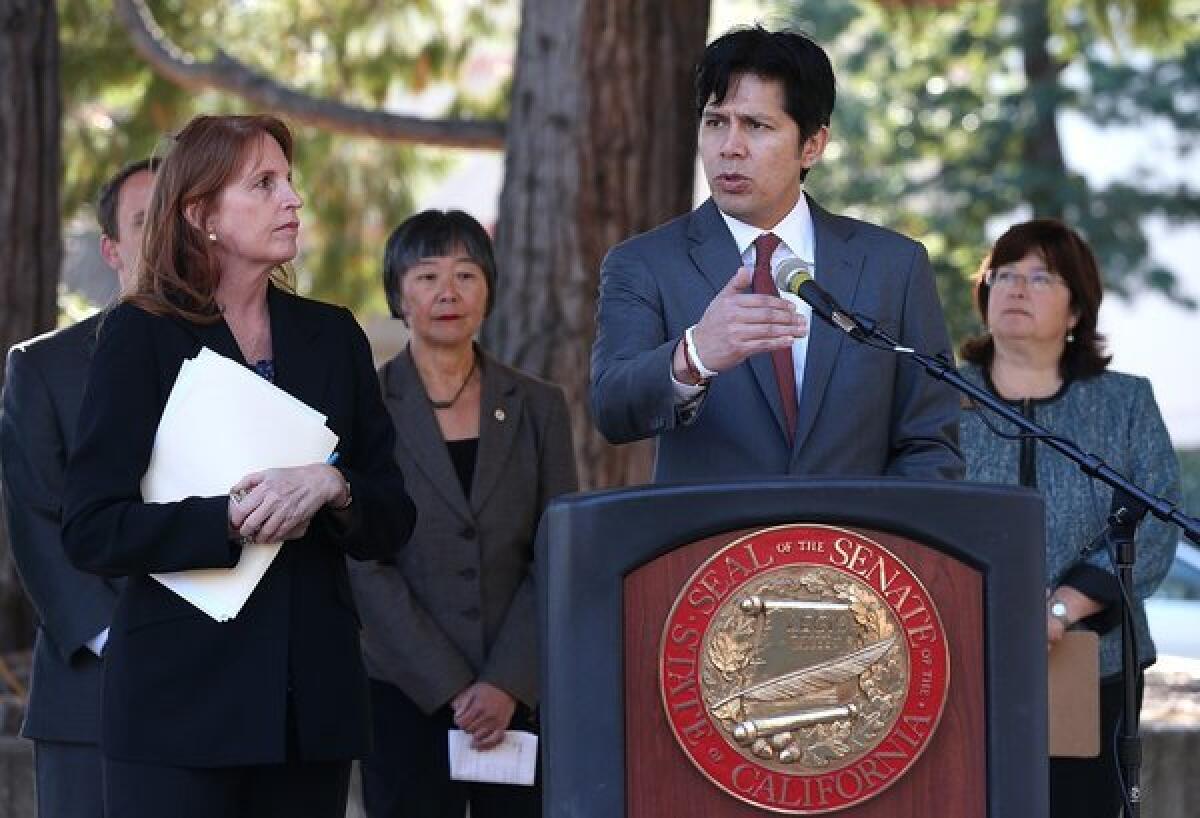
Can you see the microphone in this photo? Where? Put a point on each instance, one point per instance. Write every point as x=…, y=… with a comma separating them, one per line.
x=794, y=275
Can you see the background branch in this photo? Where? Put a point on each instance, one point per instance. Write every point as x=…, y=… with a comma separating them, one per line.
x=226, y=73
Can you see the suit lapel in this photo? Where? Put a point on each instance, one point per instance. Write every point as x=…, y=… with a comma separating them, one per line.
x=839, y=269
x=715, y=254
x=301, y=363
x=500, y=408
x=712, y=246
x=417, y=428
x=216, y=336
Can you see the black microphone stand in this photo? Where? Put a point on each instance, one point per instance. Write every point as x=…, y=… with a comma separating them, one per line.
x=1122, y=524
x=867, y=331
x=1126, y=515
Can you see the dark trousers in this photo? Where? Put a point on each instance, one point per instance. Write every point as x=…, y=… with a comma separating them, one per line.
x=293, y=789
x=69, y=782
x=407, y=774
x=1091, y=787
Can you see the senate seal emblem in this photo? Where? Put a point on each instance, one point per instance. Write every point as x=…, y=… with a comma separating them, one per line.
x=803, y=668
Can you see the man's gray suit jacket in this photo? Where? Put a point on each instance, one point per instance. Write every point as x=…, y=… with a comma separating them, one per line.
x=43, y=390
x=862, y=411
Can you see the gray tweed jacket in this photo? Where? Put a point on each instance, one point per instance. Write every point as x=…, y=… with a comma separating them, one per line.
x=1114, y=416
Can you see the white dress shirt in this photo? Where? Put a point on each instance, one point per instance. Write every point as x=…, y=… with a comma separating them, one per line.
x=96, y=643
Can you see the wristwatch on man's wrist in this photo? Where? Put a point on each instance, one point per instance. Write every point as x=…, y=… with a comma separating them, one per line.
x=1058, y=609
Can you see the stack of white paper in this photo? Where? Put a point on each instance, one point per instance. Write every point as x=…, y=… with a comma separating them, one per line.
x=222, y=422
x=512, y=761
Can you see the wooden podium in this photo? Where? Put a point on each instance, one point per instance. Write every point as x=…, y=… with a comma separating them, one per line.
x=612, y=565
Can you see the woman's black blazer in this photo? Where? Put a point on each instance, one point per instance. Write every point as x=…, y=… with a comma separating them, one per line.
x=180, y=688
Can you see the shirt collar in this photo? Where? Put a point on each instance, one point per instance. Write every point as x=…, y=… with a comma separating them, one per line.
x=795, y=230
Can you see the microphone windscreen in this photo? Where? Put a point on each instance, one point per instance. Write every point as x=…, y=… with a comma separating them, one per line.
x=790, y=273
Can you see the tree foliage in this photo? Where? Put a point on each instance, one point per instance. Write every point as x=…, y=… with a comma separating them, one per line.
x=371, y=53
x=947, y=121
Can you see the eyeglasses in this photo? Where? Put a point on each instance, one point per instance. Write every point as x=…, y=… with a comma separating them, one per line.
x=1039, y=281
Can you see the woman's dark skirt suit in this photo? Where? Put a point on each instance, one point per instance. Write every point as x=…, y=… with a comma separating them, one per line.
x=457, y=605
x=262, y=714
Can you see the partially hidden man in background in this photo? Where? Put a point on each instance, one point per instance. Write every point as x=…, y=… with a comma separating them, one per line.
x=43, y=391
x=694, y=345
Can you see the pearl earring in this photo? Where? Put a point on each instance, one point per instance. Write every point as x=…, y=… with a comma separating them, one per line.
x=1070, y=337
x=212, y=236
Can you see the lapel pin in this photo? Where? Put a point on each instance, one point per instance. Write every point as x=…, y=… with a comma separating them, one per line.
x=499, y=415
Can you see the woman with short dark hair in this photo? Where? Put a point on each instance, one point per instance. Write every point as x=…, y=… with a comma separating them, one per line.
x=1038, y=292
x=449, y=628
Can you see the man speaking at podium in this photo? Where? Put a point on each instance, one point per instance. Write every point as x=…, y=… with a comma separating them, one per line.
x=694, y=344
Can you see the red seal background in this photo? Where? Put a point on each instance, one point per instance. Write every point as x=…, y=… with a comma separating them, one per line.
x=709, y=748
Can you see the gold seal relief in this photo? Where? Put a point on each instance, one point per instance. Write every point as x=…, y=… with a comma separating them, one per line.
x=803, y=668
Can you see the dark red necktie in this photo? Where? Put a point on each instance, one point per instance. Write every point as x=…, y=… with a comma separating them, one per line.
x=781, y=359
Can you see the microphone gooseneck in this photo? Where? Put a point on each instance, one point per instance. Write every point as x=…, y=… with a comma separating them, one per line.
x=1130, y=502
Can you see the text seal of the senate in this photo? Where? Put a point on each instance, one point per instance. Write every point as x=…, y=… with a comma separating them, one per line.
x=803, y=668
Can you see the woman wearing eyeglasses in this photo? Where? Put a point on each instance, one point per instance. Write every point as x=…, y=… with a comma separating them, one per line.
x=1038, y=293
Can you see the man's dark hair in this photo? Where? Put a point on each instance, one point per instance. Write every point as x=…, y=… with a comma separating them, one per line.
x=110, y=194
x=791, y=57
x=435, y=233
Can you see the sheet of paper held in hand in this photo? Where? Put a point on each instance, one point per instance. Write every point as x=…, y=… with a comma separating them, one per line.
x=222, y=422
x=513, y=761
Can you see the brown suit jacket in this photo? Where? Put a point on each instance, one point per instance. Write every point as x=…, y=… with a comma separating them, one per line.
x=457, y=605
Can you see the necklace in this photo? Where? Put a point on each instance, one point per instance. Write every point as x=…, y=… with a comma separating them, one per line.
x=446, y=404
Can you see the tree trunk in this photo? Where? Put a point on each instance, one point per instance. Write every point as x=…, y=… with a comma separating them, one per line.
x=601, y=146
x=1042, y=151
x=29, y=220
